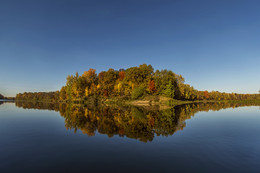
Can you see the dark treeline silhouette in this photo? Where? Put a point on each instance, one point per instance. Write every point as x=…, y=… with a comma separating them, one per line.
x=131, y=83
x=36, y=96
x=6, y=98
x=132, y=122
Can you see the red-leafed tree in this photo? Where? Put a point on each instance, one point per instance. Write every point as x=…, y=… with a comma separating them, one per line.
x=121, y=75
x=151, y=86
x=206, y=94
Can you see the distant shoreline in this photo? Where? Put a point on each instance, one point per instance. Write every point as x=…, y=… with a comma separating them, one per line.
x=141, y=103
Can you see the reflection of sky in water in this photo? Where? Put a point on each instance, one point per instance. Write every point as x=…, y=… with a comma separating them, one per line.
x=214, y=141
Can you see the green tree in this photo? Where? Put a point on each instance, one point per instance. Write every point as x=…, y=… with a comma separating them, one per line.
x=169, y=90
x=138, y=92
x=162, y=79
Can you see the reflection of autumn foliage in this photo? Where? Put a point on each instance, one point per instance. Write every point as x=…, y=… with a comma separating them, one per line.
x=132, y=122
x=38, y=105
x=105, y=93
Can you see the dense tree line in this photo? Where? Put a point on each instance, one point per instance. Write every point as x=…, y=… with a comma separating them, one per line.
x=38, y=96
x=6, y=98
x=134, y=82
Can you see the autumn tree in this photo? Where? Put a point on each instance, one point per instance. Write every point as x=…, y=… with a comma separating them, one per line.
x=91, y=80
x=121, y=75
x=107, y=81
x=63, y=94
x=151, y=86
x=206, y=95
x=139, y=75
x=69, y=83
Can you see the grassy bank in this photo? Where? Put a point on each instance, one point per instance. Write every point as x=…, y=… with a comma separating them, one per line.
x=164, y=101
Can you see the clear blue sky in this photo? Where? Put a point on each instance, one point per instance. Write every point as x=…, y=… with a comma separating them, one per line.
x=214, y=44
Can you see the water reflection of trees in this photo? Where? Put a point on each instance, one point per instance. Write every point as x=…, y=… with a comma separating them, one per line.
x=132, y=122
x=5, y=101
x=38, y=105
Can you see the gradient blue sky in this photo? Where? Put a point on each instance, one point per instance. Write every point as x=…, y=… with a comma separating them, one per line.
x=214, y=44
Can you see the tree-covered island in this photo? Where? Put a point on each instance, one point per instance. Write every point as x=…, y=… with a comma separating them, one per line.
x=130, y=85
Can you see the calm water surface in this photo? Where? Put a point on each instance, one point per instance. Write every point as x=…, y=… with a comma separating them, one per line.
x=190, y=138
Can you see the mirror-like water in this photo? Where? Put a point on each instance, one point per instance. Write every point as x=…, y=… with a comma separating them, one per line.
x=215, y=137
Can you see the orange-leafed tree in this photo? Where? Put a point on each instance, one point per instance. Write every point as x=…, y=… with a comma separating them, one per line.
x=121, y=75
x=151, y=86
x=90, y=76
x=206, y=95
